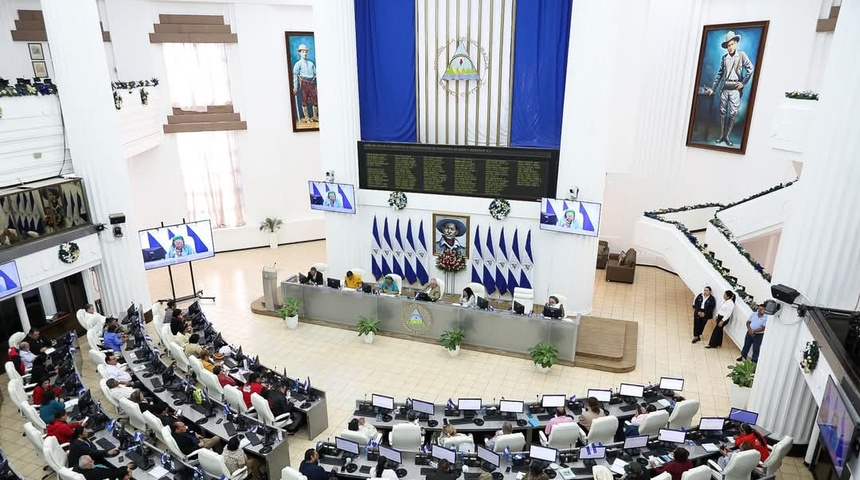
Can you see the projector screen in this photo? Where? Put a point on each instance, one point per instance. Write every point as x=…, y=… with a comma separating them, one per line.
x=10, y=282
x=174, y=244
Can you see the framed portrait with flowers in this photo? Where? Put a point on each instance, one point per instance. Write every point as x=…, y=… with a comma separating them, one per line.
x=451, y=232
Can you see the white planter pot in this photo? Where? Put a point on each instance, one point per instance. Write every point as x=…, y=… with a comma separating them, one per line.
x=273, y=240
x=454, y=352
x=542, y=369
x=292, y=322
x=368, y=337
x=740, y=396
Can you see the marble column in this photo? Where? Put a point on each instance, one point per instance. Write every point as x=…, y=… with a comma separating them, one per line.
x=22, y=312
x=817, y=253
x=92, y=128
x=340, y=128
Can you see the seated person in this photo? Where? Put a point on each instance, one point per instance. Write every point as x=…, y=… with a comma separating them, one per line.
x=81, y=445
x=727, y=454
x=50, y=406
x=552, y=302
x=88, y=468
x=14, y=357
x=591, y=411
x=177, y=322
x=507, y=429
x=113, y=339
x=223, y=377
x=387, y=285
x=193, y=347
x=168, y=311
x=560, y=417
x=432, y=290
x=38, y=343
x=41, y=389
x=352, y=280
x=468, y=298
x=361, y=426
x=182, y=338
x=40, y=371
x=118, y=391
x=235, y=458
x=314, y=277
x=749, y=434
x=252, y=386
x=536, y=471
x=121, y=375
x=280, y=404
x=115, y=321
x=448, y=431
x=168, y=417
x=642, y=412
x=93, y=318
x=26, y=355
x=178, y=248
x=636, y=471
x=680, y=463
x=311, y=468
x=189, y=442
x=61, y=428
x=140, y=399
x=382, y=470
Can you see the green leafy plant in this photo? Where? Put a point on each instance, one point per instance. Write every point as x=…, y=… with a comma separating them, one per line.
x=451, y=339
x=367, y=325
x=271, y=225
x=290, y=308
x=742, y=373
x=544, y=354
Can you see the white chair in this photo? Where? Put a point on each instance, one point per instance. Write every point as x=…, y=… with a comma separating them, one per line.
x=517, y=442
x=360, y=272
x=81, y=315
x=740, y=466
x=562, y=300
x=34, y=436
x=170, y=442
x=102, y=371
x=359, y=438
x=460, y=443
x=563, y=435
x=525, y=297
x=322, y=267
x=54, y=454
x=195, y=364
x=94, y=340
x=157, y=310
x=16, y=339
x=441, y=284
x=702, y=472
x=32, y=416
x=478, y=289
x=165, y=335
x=13, y=374
x=652, y=424
x=663, y=476
x=601, y=472
x=397, y=281
x=290, y=473
x=135, y=417
x=69, y=474
x=153, y=424
x=770, y=466
x=406, y=436
x=264, y=413
x=602, y=430
x=233, y=397
x=682, y=415
x=212, y=385
x=108, y=396
x=17, y=394
x=213, y=464
x=178, y=356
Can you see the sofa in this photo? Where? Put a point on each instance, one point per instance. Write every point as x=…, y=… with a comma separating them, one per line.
x=621, y=270
x=602, y=254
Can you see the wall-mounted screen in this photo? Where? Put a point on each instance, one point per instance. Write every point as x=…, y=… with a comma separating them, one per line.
x=332, y=197
x=837, y=422
x=568, y=216
x=10, y=282
x=173, y=244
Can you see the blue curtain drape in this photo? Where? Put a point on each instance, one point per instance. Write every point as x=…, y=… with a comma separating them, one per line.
x=540, y=68
x=385, y=41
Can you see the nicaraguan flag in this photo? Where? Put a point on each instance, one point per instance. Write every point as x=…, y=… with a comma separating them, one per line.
x=514, y=264
x=527, y=264
x=409, y=255
x=451, y=405
x=422, y=257
x=397, y=251
x=376, y=252
x=477, y=258
x=386, y=249
x=502, y=265
x=489, y=261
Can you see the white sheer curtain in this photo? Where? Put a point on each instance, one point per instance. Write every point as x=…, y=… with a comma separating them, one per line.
x=213, y=187
x=197, y=75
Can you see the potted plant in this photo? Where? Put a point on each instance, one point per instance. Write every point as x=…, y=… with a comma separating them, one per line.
x=742, y=375
x=289, y=311
x=544, y=355
x=271, y=226
x=451, y=340
x=367, y=327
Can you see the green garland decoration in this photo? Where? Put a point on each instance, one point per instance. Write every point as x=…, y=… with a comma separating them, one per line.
x=130, y=87
x=759, y=194
x=723, y=229
x=69, y=252
x=802, y=95
x=810, y=357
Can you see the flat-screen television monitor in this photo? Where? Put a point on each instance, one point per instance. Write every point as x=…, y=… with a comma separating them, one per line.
x=711, y=424
x=347, y=446
x=569, y=216
x=837, y=420
x=631, y=390
x=469, y=404
x=519, y=308
x=672, y=436
x=600, y=394
x=554, y=400
x=420, y=406
x=638, y=441
x=488, y=456
x=442, y=453
x=332, y=197
x=382, y=401
x=669, y=383
x=174, y=244
x=543, y=453
x=333, y=283
x=511, y=406
x=743, y=416
x=10, y=282
x=391, y=454
x=592, y=452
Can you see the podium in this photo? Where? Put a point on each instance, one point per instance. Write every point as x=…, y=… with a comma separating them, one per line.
x=270, y=288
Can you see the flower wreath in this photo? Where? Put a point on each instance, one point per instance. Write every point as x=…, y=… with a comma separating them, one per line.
x=500, y=208
x=397, y=200
x=69, y=252
x=810, y=357
x=451, y=261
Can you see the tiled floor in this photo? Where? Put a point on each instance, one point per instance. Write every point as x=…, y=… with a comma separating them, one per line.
x=344, y=367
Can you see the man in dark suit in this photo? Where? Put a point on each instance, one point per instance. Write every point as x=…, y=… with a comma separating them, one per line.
x=443, y=471
x=315, y=277
x=280, y=405
x=81, y=445
x=311, y=468
x=38, y=343
x=703, y=310
x=87, y=467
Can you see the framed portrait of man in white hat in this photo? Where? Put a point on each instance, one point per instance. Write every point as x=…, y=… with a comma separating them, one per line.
x=451, y=232
x=730, y=60
x=302, y=70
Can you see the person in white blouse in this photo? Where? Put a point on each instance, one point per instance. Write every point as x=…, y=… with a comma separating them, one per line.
x=468, y=299
x=724, y=316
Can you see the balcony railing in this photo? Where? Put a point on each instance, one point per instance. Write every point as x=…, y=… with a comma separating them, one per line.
x=41, y=209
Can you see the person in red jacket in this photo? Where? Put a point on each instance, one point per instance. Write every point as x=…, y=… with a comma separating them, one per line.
x=680, y=463
x=751, y=435
x=43, y=387
x=253, y=386
x=15, y=358
x=62, y=429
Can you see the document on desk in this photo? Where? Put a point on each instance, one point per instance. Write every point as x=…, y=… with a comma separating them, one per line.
x=158, y=471
x=49, y=351
x=138, y=368
x=618, y=466
x=71, y=403
x=664, y=403
x=710, y=447
x=244, y=443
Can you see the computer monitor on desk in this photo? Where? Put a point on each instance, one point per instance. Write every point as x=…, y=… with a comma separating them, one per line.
x=423, y=408
x=743, y=416
x=382, y=402
x=672, y=436
x=551, y=312
x=710, y=425
x=674, y=384
x=589, y=453
x=483, y=303
x=543, y=453
x=631, y=390
x=635, y=443
x=553, y=401
x=391, y=454
x=469, y=405
x=303, y=279
x=488, y=456
x=600, y=394
x=346, y=446
x=511, y=406
x=519, y=308
x=333, y=283
x=442, y=453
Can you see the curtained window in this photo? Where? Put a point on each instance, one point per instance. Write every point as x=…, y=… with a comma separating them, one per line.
x=197, y=77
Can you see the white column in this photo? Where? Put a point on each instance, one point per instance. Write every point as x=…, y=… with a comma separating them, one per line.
x=817, y=252
x=340, y=128
x=22, y=312
x=89, y=286
x=46, y=294
x=92, y=129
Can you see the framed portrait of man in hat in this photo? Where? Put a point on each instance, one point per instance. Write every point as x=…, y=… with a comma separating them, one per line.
x=302, y=70
x=730, y=59
x=451, y=232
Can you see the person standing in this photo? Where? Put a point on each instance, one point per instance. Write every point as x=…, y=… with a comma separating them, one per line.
x=305, y=77
x=755, y=332
x=724, y=316
x=735, y=72
x=703, y=310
